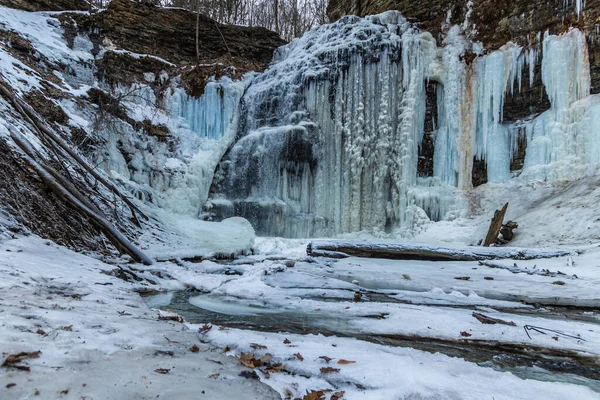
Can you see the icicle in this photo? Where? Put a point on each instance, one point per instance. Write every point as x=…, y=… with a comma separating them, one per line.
x=209, y=115
x=561, y=141
x=565, y=68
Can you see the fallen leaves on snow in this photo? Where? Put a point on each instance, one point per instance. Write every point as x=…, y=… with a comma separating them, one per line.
x=14, y=360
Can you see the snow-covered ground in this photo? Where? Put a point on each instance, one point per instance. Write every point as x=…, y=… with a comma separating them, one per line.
x=98, y=340
x=284, y=293
x=93, y=328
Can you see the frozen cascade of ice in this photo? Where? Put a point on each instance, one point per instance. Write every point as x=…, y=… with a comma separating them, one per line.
x=209, y=115
x=454, y=124
x=177, y=178
x=332, y=129
x=330, y=133
x=562, y=142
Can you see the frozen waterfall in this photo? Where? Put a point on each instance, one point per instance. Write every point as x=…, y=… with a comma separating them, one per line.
x=210, y=114
x=330, y=133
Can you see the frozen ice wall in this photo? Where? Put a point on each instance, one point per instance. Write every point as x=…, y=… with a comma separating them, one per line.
x=330, y=133
x=563, y=141
x=175, y=174
x=210, y=114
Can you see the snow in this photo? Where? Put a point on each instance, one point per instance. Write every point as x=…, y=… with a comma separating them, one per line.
x=138, y=56
x=385, y=372
x=114, y=343
x=44, y=32
x=40, y=276
x=185, y=237
x=429, y=298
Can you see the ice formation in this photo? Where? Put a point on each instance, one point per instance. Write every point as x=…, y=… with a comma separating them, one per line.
x=211, y=114
x=327, y=139
x=176, y=178
x=330, y=133
x=332, y=129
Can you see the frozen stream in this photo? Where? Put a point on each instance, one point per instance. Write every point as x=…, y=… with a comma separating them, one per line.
x=421, y=305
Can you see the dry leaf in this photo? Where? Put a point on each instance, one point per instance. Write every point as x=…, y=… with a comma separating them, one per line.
x=463, y=278
x=66, y=328
x=248, y=360
x=40, y=332
x=176, y=318
x=328, y=370
x=194, y=349
x=276, y=368
x=337, y=395
x=214, y=376
x=286, y=341
x=257, y=346
x=344, y=362
x=465, y=334
x=315, y=395
x=299, y=356
x=14, y=360
x=204, y=328
x=327, y=359
x=560, y=283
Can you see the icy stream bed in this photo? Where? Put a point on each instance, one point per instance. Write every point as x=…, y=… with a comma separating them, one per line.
x=388, y=309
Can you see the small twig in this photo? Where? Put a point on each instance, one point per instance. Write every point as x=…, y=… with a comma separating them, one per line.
x=170, y=341
x=540, y=330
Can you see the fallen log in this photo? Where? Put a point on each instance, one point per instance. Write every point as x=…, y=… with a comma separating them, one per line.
x=50, y=137
x=116, y=237
x=416, y=251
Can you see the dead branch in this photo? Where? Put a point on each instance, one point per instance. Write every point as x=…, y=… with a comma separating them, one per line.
x=416, y=251
x=43, y=130
x=495, y=226
x=120, y=241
